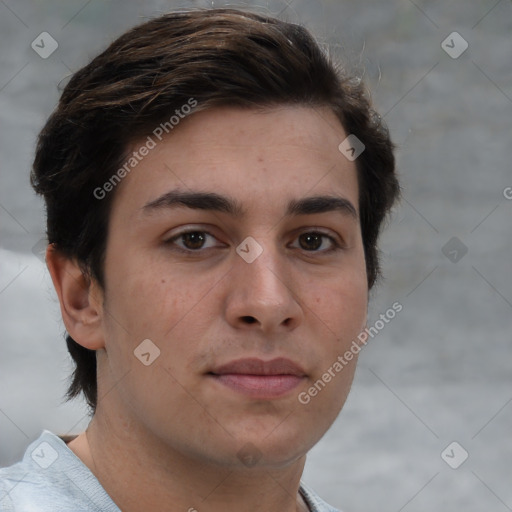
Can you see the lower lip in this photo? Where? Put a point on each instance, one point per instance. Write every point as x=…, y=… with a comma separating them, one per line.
x=259, y=386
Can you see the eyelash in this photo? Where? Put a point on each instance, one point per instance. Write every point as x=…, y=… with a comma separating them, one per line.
x=172, y=241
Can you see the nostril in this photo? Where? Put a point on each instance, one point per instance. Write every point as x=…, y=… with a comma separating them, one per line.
x=249, y=319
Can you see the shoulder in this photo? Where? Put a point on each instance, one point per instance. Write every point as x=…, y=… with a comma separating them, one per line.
x=50, y=478
x=315, y=503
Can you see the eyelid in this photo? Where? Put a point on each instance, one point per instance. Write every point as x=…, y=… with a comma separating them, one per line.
x=171, y=240
x=187, y=228
x=336, y=240
x=335, y=237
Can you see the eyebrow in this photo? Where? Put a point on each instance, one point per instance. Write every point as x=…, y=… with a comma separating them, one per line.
x=218, y=203
x=321, y=204
x=196, y=201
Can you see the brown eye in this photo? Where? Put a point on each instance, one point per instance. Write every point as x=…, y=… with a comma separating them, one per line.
x=311, y=241
x=316, y=241
x=193, y=239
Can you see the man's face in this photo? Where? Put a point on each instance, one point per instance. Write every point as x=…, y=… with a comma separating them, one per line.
x=182, y=273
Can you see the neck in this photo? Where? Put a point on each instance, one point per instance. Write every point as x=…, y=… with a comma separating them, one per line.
x=158, y=477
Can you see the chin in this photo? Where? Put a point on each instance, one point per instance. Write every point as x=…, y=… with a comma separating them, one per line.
x=276, y=449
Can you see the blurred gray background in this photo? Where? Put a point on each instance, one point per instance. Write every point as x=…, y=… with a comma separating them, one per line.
x=441, y=370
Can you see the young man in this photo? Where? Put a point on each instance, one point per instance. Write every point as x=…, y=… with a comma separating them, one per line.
x=214, y=191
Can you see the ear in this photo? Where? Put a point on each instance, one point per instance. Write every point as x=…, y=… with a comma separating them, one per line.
x=81, y=300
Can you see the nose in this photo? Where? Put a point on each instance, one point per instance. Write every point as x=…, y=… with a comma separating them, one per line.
x=261, y=295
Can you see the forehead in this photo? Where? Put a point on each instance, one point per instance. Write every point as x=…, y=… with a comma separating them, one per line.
x=275, y=155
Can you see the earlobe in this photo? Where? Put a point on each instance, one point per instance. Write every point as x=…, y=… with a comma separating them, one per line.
x=80, y=300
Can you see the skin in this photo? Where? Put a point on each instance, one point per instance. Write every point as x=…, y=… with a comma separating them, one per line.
x=166, y=436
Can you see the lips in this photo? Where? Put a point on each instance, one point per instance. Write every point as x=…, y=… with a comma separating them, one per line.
x=253, y=366
x=259, y=379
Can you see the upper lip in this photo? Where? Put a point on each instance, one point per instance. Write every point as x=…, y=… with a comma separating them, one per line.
x=254, y=366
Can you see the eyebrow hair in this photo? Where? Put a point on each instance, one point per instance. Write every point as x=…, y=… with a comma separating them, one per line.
x=219, y=203
x=197, y=201
x=321, y=204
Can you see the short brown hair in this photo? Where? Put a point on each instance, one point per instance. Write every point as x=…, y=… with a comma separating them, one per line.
x=218, y=57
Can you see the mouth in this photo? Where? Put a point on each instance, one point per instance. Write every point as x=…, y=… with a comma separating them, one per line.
x=259, y=379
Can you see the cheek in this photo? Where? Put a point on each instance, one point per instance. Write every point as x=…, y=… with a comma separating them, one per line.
x=339, y=309
x=340, y=304
x=152, y=300
x=165, y=306
x=147, y=306
x=327, y=393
